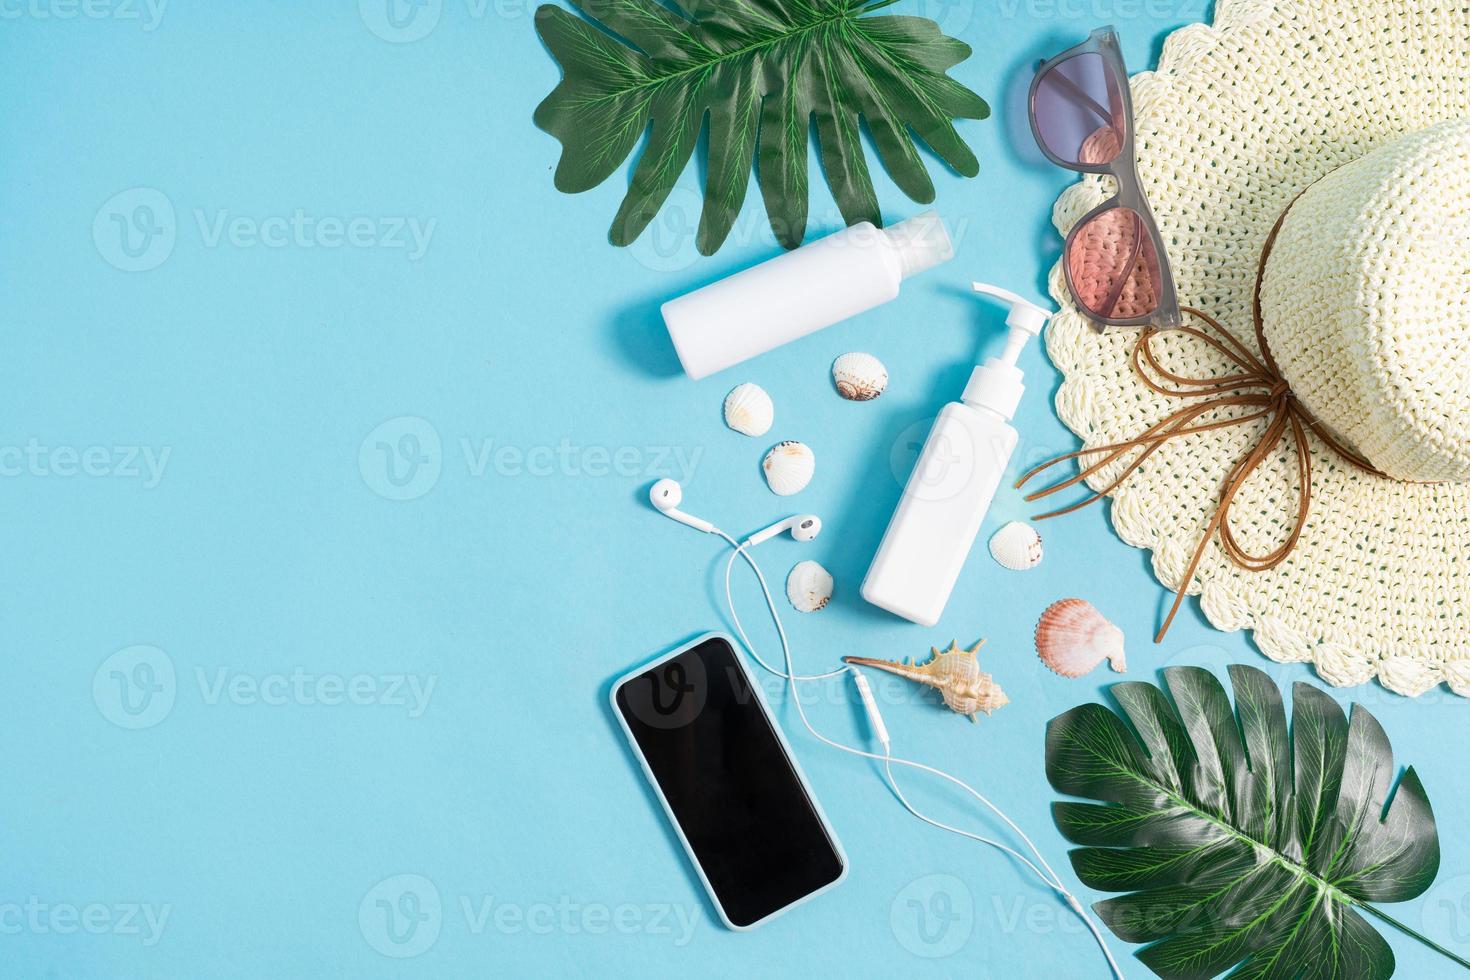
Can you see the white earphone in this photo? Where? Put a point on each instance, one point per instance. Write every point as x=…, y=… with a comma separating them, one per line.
x=666, y=496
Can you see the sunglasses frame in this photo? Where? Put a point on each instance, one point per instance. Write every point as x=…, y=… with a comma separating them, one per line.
x=1104, y=43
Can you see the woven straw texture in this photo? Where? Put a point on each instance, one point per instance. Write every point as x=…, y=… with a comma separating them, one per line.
x=1365, y=303
x=1238, y=119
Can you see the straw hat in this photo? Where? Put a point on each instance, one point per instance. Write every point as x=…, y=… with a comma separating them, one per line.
x=1339, y=125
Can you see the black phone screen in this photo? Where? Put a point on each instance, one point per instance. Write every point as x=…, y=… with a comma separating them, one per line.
x=714, y=753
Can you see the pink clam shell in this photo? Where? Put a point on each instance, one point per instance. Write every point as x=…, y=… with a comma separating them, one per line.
x=1073, y=637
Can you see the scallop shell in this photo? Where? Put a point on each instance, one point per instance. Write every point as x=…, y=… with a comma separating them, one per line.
x=1073, y=637
x=955, y=673
x=859, y=377
x=809, y=586
x=789, y=467
x=748, y=410
x=1016, y=546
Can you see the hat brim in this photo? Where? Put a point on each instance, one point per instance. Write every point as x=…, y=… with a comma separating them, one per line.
x=1237, y=120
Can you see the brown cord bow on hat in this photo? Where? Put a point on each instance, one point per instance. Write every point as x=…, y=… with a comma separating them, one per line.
x=1258, y=386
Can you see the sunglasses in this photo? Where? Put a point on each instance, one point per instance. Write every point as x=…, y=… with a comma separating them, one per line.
x=1082, y=117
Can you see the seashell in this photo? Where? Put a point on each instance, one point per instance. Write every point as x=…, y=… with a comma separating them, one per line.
x=859, y=377
x=955, y=673
x=809, y=586
x=748, y=410
x=1073, y=637
x=789, y=467
x=1016, y=546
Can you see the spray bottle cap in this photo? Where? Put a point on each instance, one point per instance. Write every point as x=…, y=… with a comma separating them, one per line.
x=996, y=384
x=921, y=242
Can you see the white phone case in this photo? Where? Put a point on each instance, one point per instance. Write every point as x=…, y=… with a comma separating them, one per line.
x=785, y=747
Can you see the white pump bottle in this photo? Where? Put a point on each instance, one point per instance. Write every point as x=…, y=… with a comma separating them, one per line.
x=954, y=481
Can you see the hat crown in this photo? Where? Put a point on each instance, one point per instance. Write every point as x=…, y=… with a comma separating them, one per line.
x=1365, y=303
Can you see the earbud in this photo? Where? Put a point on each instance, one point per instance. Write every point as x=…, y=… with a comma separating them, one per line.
x=803, y=527
x=666, y=496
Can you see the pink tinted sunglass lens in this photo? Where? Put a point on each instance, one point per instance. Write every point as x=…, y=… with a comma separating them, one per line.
x=1078, y=108
x=1114, y=267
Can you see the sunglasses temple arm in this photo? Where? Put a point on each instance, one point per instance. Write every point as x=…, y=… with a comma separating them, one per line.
x=1081, y=97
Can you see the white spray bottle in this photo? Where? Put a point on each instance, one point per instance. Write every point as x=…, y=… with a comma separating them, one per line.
x=954, y=481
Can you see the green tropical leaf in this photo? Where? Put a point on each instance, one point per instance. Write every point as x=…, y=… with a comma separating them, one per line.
x=1240, y=843
x=754, y=74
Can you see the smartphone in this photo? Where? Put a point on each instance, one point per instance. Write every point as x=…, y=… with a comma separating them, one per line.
x=728, y=780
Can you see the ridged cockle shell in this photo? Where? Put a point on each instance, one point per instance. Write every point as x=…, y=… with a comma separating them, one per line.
x=1073, y=637
x=789, y=467
x=1016, y=546
x=749, y=410
x=809, y=586
x=859, y=377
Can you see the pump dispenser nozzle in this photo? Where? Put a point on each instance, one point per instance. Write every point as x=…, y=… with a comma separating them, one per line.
x=996, y=384
x=954, y=481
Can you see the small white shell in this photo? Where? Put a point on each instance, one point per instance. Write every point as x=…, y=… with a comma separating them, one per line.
x=1073, y=637
x=789, y=467
x=859, y=377
x=748, y=410
x=1016, y=546
x=809, y=586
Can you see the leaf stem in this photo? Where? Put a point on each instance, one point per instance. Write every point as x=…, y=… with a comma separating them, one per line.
x=1410, y=932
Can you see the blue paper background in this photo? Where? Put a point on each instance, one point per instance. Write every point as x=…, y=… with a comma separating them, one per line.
x=263, y=568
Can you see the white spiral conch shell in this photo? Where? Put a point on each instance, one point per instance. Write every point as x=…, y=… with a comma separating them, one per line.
x=748, y=410
x=809, y=586
x=859, y=377
x=955, y=673
x=1073, y=637
x=789, y=467
x=1016, y=546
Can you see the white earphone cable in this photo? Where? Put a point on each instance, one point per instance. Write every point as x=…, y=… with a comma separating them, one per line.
x=1048, y=876
x=740, y=549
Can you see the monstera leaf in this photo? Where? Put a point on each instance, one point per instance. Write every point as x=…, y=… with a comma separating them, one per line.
x=1237, y=842
x=761, y=71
